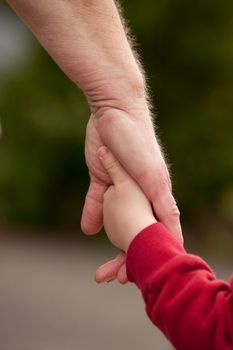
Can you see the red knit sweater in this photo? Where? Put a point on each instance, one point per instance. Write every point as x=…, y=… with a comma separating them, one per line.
x=182, y=295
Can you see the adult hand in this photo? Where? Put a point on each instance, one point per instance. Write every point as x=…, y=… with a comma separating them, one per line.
x=131, y=138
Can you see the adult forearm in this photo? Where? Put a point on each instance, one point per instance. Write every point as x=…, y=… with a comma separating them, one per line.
x=88, y=41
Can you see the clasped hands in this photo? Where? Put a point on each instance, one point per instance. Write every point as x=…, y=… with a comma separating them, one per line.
x=134, y=147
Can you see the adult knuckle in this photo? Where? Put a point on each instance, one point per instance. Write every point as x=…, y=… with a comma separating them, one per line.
x=172, y=214
x=174, y=211
x=164, y=195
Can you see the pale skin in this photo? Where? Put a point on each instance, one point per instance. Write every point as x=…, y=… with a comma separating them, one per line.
x=88, y=41
x=127, y=211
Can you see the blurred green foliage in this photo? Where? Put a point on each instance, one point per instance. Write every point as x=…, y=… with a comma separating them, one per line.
x=187, y=50
x=43, y=176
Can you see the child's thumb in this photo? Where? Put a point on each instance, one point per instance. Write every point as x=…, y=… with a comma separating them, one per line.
x=111, y=165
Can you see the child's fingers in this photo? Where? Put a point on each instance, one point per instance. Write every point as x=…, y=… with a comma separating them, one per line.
x=111, y=165
x=108, y=271
x=122, y=275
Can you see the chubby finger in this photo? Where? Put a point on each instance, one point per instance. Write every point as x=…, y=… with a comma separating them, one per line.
x=115, y=170
x=109, y=271
x=122, y=275
x=92, y=215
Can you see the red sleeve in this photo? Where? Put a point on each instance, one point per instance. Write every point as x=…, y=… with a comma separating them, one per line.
x=182, y=295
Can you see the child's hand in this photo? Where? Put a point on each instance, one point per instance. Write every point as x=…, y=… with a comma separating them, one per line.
x=126, y=209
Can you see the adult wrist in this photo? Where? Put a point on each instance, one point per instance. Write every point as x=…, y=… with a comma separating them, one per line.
x=125, y=92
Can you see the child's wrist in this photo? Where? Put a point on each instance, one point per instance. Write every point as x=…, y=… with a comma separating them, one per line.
x=140, y=227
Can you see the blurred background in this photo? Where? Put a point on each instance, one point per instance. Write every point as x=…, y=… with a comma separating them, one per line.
x=48, y=296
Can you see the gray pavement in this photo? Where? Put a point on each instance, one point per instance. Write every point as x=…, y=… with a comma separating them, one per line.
x=49, y=301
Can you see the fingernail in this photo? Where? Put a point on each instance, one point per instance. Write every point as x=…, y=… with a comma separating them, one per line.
x=109, y=281
x=105, y=280
x=102, y=151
